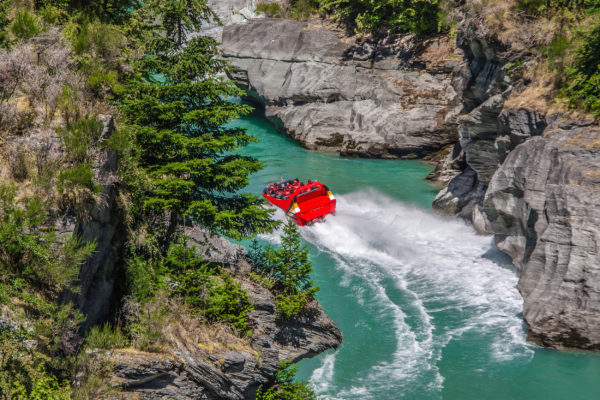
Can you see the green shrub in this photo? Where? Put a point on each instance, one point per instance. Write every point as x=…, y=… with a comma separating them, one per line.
x=51, y=14
x=583, y=77
x=94, y=376
x=220, y=299
x=396, y=16
x=229, y=302
x=80, y=176
x=262, y=280
x=302, y=9
x=79, y=136
x=271, y=10
x=288, y=265
x=139, y=278
x=291, y=305
x=288, y=270
x=286, y=387
x=107, y=81
x=27, y=252
x=25, y=25
x=45, y=387
x=105, y=337
x=36, y=268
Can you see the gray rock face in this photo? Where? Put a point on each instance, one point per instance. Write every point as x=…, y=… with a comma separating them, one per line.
x=483, y=84
x=487, y=135
x=543, y=205
x=331, y=96
x=192, y=372
x=461, y=196
x=229, y=12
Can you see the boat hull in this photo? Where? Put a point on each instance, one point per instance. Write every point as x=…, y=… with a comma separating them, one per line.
x=305, y=204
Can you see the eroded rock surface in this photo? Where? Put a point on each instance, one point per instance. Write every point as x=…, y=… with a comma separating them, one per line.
x=394, y=99
x=543, y=205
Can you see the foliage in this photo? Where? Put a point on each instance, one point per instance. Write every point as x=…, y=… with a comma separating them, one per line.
x=116, y=11
x=288, y=268
x=93, y=377
x=46, y=387
x=29, y=253
x=105, y=337
x=146, y=323
x=396, y=16
x=302, y=9
x=220, y=299
x=100, y=50
x=185, y=275
x=4, y=22
x=36, y=267
x=178, y=108
x=229, y=302
x=80, y=176
x=26, y=25
x=286, y=387
x=583, y=77
x=271, y=10
x=139, y=278
x=291, y=305
x=289, y=265
x=79, y=137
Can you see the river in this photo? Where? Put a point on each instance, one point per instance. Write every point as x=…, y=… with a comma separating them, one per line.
x=428, y=309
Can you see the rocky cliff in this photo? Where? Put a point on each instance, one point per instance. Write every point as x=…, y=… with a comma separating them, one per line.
x=543, y=205
x=203, y=363
x=393, y=98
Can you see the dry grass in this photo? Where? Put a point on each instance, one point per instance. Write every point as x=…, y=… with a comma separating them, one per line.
x=517, y=30
x=593, y=174
x=438, y=51
x=540, y=94
x=588, y=141
x=179, y=329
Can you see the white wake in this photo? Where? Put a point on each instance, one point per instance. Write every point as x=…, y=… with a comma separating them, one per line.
x=438, y=265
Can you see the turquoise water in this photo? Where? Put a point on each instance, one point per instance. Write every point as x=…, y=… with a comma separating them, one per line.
x=428, y=309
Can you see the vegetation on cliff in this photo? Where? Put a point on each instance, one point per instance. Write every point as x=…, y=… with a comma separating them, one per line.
x=63, y=64
x=286, y=271
x=387, y=15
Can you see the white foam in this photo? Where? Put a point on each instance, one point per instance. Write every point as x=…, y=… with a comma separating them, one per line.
x=431, y=259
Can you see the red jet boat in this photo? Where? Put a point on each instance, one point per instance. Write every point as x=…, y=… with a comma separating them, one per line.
x=304, y=203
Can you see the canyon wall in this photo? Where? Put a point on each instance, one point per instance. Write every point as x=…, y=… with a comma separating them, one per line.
x=332, y=94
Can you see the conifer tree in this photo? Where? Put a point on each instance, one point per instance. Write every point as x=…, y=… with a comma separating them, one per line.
x=179, y=107
x=179, y=16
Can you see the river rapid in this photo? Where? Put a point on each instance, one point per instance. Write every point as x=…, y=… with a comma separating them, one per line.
x=428, y=309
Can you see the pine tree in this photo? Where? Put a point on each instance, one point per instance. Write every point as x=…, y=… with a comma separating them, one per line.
x=178, y=107
x=289, y=264
x=179, y=16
